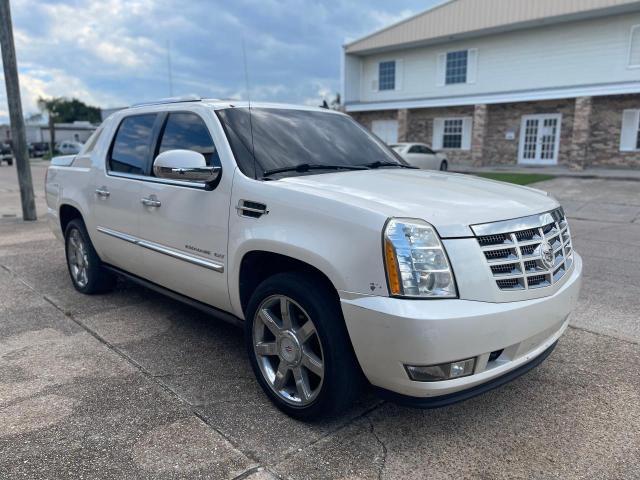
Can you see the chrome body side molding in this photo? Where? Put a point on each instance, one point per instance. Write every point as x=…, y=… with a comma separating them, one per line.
x=156, y=247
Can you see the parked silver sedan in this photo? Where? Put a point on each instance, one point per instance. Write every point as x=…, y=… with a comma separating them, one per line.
x=421, y=156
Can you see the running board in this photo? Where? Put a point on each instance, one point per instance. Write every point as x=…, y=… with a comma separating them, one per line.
x=203, y=307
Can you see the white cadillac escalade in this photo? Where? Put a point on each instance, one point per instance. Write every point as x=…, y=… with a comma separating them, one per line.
x=342, y=263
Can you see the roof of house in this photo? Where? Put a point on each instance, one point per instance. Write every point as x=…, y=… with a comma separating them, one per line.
x=457, y=19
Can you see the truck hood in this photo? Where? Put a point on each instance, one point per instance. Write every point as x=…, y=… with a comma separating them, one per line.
x=449, y=202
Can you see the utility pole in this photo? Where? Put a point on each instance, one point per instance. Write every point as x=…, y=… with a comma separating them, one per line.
x=18, y=137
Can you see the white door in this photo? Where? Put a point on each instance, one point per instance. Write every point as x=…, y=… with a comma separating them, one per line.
x=386, y=130
x=116, y=194
x=184, y=227
x=540, y=139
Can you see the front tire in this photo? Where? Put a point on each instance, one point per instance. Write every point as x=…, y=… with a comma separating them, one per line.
x=85, y=267
x=299, y=347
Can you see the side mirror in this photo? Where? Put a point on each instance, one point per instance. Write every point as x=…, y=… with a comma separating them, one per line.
x=186, y=166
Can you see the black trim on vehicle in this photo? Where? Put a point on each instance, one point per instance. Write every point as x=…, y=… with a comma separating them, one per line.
x=444, y=400
x=203, y=307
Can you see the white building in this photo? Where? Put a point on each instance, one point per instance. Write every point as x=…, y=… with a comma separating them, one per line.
x=505, y=81
x=76, y=132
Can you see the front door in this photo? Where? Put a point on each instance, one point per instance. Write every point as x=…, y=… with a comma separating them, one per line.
x=184, y=228
x=540, y=139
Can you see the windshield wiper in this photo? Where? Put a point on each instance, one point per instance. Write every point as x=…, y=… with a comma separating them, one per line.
x=387, y=164
x=305, y=167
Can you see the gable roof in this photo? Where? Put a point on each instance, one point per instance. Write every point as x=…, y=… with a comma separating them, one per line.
x=456, y=19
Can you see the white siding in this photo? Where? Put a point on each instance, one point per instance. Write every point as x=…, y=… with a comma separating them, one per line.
x=582, y=53
x=463, y=16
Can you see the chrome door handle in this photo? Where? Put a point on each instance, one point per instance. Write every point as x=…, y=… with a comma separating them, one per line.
x=102, y=192
x=150, y=202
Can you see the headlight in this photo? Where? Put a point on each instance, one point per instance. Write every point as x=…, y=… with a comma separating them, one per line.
x=415, y=260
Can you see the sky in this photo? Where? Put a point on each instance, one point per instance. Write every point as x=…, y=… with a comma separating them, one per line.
x=112, y=53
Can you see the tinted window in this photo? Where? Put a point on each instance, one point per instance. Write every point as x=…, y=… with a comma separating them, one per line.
x=187, y=131
x=286, y=138
x=132, y=144
x=416, y=149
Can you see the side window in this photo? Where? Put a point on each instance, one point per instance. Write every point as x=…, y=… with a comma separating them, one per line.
x=415, y=149
x=187, y=131
x=132, y=145
x=428, y=151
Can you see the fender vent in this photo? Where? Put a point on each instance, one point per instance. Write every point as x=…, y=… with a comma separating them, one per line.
x=247, y=208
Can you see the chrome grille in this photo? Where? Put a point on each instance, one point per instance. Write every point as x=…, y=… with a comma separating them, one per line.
x=514, y=250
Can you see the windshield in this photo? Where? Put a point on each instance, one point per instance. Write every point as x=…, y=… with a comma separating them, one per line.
x=284, y=138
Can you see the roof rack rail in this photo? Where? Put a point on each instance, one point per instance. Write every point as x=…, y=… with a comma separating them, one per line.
x=185, y=98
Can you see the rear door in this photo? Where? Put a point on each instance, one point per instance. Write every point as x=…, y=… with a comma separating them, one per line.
x=116, y=207
x=183, y=226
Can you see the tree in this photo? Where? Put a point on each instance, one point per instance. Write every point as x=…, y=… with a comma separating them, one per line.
x=63, y=110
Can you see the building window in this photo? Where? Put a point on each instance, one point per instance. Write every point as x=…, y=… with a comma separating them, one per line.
x=634, y=47
x=387, y=75
x=452, y=134
x=457, y=67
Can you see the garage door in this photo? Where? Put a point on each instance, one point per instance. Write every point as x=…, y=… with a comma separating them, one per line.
x=386, y=130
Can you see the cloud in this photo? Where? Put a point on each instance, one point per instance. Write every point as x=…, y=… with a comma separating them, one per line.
x=115, y=52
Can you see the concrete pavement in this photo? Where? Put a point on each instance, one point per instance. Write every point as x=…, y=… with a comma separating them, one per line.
x=135, y=385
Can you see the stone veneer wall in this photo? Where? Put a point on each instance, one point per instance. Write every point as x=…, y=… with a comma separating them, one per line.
x=508, y=117
x=606, y=127
x=420, y=129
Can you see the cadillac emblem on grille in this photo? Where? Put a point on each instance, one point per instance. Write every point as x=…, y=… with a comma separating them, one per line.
x=546, y=255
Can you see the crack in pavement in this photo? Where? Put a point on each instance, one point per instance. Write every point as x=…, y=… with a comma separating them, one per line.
x=382, y=445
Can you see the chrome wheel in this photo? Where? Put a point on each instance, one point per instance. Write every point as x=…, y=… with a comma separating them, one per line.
x=78, y=259
x=288, y=350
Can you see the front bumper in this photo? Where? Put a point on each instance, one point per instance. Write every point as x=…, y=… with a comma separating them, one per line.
x=389, y=333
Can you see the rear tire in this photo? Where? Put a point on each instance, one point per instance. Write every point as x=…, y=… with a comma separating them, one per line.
x=444, y=166
x=299, y=347
x=85, y=267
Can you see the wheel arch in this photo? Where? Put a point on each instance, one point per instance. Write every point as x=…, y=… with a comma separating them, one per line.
x=257, y=265
x=68, y=212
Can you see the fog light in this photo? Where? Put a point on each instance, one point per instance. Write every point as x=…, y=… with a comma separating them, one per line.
x=444, y=371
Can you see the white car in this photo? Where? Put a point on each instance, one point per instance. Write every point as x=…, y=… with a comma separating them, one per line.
x=341, y=263
x=421, y=156
x=69, y=148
